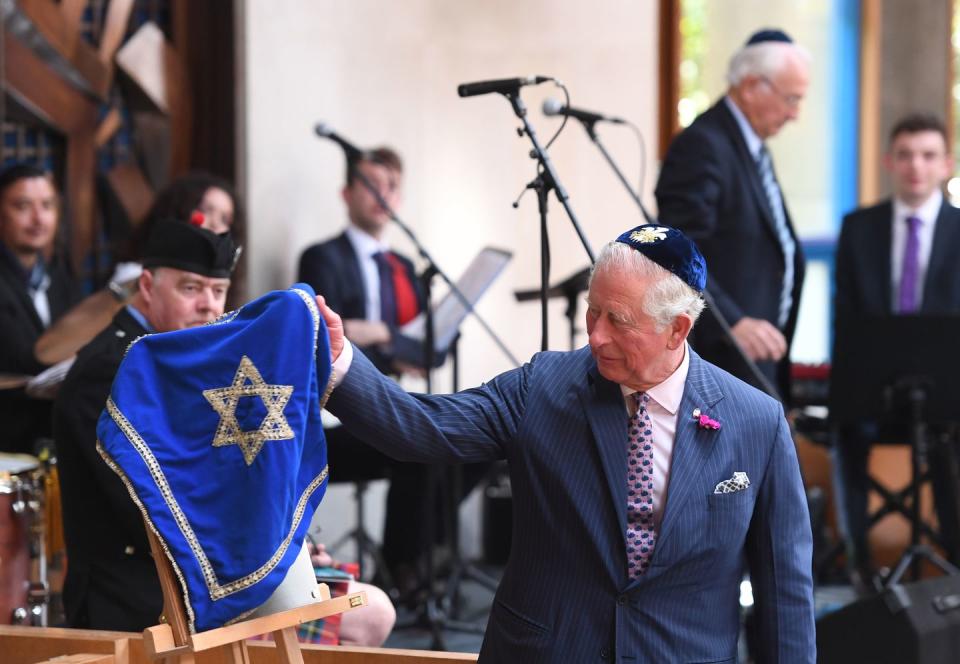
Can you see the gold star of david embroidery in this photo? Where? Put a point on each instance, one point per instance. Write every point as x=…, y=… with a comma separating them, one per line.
x=248, y=382
x=648, y=235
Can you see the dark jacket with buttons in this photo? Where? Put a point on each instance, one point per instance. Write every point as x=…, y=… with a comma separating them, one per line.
x=111, y=578
x=25, y=419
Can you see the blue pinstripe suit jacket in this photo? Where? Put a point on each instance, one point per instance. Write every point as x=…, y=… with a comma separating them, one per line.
x=565, y=595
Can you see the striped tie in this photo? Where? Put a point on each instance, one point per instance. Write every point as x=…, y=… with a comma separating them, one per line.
x=787, y=244
x=910, y=269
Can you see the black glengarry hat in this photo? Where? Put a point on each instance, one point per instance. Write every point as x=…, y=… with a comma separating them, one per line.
x=671, y=250
x=187, y=247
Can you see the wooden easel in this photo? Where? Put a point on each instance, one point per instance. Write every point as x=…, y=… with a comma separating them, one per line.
x=171, y=642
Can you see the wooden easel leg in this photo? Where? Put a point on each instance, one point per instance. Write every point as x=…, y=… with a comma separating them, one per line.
x=238, y=653
x=288, y=648
x=185, y=658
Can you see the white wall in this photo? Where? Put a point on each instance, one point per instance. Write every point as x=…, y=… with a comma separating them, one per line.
x=387, y=72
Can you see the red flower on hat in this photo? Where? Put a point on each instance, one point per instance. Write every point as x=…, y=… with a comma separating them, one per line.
x=197, y=218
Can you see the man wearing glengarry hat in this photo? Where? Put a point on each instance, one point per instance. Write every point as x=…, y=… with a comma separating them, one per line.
x=111, y=578
x=645, y=480
x=719, y=186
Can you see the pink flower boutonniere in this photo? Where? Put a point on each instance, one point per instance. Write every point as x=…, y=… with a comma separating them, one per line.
x=704, y=421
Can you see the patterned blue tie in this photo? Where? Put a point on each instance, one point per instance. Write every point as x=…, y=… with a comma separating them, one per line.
x=641, y=530
x=787, y=244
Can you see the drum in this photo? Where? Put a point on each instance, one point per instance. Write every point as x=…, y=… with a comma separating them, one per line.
x=20, y=485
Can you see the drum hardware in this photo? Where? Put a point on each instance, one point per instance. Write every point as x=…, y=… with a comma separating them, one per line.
x=24, y=589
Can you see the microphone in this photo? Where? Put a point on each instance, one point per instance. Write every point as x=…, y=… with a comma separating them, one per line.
x=553, y=107
x=324, y=130
x=501, y=85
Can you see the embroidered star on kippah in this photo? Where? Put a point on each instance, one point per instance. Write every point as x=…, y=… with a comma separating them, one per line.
x=648, y=235
x=248, y=382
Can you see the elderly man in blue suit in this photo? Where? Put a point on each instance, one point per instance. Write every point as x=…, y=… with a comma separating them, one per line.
x=645, y=480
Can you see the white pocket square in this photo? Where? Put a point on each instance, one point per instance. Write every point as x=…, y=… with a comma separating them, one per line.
x=738, y=482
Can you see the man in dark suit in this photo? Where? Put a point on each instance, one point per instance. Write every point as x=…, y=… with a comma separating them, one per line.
x=33, y=293
x=111, y=580
x=376, y=290
x=644, y=479
x=897, y=257
x=717, y=184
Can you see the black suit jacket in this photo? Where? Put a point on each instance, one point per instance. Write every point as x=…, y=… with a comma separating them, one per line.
x=111, y=580
x=25, y=418
x=710, y=188
x=332, y=269
x=863, y=264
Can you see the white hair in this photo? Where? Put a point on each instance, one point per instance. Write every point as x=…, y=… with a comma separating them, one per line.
x=667, y=298
x=765, y=59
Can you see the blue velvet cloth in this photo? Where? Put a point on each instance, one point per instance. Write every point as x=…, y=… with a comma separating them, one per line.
x=671, y=250
x=216, y=432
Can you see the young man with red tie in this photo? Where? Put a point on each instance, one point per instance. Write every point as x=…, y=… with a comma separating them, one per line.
x=377, y=291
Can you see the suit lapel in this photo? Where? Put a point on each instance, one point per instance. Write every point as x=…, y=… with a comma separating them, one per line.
x=748, y=165
x=691, y=447
x=606, y=412
x=946, y=238
x=354, y=276
x=12, y=279
x=877, y=246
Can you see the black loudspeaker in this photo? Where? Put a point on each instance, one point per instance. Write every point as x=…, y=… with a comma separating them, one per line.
x=914, y=623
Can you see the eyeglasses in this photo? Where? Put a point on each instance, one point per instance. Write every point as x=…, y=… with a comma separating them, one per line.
x=792, y=101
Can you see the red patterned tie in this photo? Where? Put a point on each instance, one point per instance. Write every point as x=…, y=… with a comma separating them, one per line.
x=641, y=531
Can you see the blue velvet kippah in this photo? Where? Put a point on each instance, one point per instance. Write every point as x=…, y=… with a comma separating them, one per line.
x=768, y=35
x=671, y=250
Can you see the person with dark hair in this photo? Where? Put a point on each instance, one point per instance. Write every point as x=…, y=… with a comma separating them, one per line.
x=34, y=292
x=111, y=580
x=718, y=185
x=376, y=288
x=897, y=257
x=190, y=195
x=377, y=291
x=197, y=191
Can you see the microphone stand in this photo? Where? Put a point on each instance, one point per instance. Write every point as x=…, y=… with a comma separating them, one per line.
x=759, y=377
x=545, y=181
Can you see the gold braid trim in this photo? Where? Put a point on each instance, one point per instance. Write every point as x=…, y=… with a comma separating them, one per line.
x=163, y=544
x=215, y=588
x=312, y=306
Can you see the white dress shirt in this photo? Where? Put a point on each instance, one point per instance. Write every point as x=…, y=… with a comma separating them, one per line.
x=365, y=246
x=927, y=214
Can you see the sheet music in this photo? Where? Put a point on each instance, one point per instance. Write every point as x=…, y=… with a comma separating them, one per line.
x=450, y=312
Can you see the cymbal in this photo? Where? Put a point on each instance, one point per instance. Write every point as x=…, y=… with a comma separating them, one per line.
x=10, y=381
x=76, y=328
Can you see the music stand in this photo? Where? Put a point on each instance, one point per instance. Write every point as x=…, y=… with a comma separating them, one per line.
x=894, y=370
x=570, y=288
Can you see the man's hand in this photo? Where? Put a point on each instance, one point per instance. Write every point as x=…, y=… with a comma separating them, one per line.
x=759, y=339
x=319, y=555
x=366, y=332
x=334, y=327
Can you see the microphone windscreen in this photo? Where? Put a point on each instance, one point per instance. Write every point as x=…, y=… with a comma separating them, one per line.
x=551, y=106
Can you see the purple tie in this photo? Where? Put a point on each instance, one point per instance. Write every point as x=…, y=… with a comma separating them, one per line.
x=907, y=300
x=641, y=531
